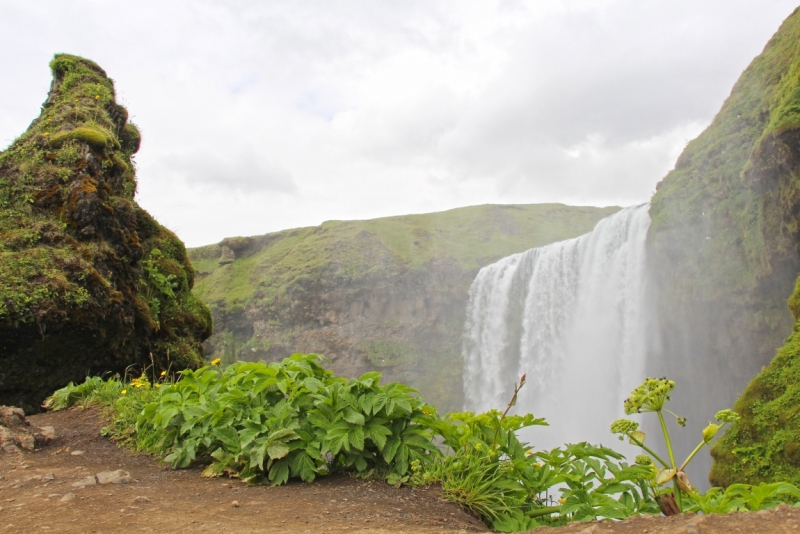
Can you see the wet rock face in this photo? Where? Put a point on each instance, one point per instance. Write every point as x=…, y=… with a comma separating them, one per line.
x=89, y=281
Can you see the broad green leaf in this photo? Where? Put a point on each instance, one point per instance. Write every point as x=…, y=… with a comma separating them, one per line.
x=277, y=450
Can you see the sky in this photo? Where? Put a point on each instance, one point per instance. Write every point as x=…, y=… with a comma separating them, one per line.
x=259, y=116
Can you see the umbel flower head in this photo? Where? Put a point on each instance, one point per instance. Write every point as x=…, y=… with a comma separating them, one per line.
x=727, y=416
x=644, y=459
x=650, y=396
x=624, y=427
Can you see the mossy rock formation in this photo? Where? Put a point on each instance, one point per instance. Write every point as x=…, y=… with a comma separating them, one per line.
x=724, y=247
x=89, y=281
x=764, y=446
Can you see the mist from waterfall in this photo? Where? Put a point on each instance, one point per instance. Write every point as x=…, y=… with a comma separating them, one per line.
x=575, y=317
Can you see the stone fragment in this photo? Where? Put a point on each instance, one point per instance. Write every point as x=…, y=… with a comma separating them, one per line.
x=82, y=483
x=235, y=504
x=68, y=497
x=141, y=499
x=114, y=477
x=77, y=453
x=48, y=477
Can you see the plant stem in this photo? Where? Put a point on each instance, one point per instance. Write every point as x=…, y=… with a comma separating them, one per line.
x=546, y=510
x=666, y=438
x=677, y=490
x=689, y=458
x=648, y=450
x=697, y=449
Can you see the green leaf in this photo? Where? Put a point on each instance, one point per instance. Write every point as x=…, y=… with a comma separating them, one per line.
x=352, y=416
x=356, y=436
x=279, y=473
x=277, y=450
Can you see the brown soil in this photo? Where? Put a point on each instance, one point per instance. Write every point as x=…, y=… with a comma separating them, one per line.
x=162, y=500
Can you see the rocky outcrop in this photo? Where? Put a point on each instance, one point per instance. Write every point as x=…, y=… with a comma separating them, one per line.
x=387, y=294
x=17, y=434
x=89, y=281
x=724, y=244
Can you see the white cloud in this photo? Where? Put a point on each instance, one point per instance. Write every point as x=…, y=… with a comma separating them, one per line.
x=258, y=116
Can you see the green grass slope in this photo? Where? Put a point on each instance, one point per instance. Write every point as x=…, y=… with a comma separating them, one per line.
x=386, y=294
x=723, y=244
x=471, y=237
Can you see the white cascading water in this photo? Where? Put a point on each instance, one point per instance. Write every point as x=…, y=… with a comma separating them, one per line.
x=574, y=316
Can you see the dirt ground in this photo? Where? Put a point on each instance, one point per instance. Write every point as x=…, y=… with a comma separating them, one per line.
x=36, y=495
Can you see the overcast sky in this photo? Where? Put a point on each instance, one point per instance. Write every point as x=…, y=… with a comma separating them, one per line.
x=263, y=115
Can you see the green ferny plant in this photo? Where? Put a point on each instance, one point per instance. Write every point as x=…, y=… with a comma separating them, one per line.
x=651, y=396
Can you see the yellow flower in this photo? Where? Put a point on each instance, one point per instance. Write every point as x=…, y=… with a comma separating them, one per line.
x=123, y=392
x=562, y=500
x=97, y=97
x=163, y=373
x=215, y=361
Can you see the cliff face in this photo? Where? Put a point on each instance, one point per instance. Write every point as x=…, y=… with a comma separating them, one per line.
x=388, y=294
x=724, y=239
x=89, y=281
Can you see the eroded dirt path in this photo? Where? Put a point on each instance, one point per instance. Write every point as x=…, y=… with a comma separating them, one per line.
x=162, y=500
x=34, y=485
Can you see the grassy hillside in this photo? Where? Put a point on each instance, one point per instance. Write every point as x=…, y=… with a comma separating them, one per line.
x=385, y=294
x=724, y=238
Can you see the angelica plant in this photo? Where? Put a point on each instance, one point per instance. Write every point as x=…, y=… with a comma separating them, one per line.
x=651, y=396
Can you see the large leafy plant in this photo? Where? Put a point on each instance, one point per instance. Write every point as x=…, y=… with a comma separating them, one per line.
x=512, y=486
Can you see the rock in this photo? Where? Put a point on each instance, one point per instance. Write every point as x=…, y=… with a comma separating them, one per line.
x=77, y=453
x=48, y=477
x=82, y=483
x=68, y=497
x=16, y=433
x=114, y=477
x=235, y=504
x=141, y=499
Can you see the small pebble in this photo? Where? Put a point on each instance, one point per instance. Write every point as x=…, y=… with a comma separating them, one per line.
x=77, y=453
x=68, y=497
x=48, y=476
x=88, y=481
x=114, y=477
x=235, y=504
x=142, y=498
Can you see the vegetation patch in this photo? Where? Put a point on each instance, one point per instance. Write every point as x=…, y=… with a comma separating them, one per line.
x=270, y=423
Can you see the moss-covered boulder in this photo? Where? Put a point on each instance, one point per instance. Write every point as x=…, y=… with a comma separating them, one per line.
x=89, y=281
x=764, y=446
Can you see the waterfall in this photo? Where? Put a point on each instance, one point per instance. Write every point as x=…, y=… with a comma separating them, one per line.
x=573, y=316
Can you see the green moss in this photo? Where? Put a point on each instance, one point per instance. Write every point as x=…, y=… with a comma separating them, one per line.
x=91, y=135
x=75, y=295
x=765, y=445
x=386, y=352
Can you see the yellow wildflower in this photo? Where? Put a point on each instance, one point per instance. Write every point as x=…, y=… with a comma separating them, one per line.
x=216, y=361
x=123, y=392
x=163, y=373
x=97, y=97
x=562, y=500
